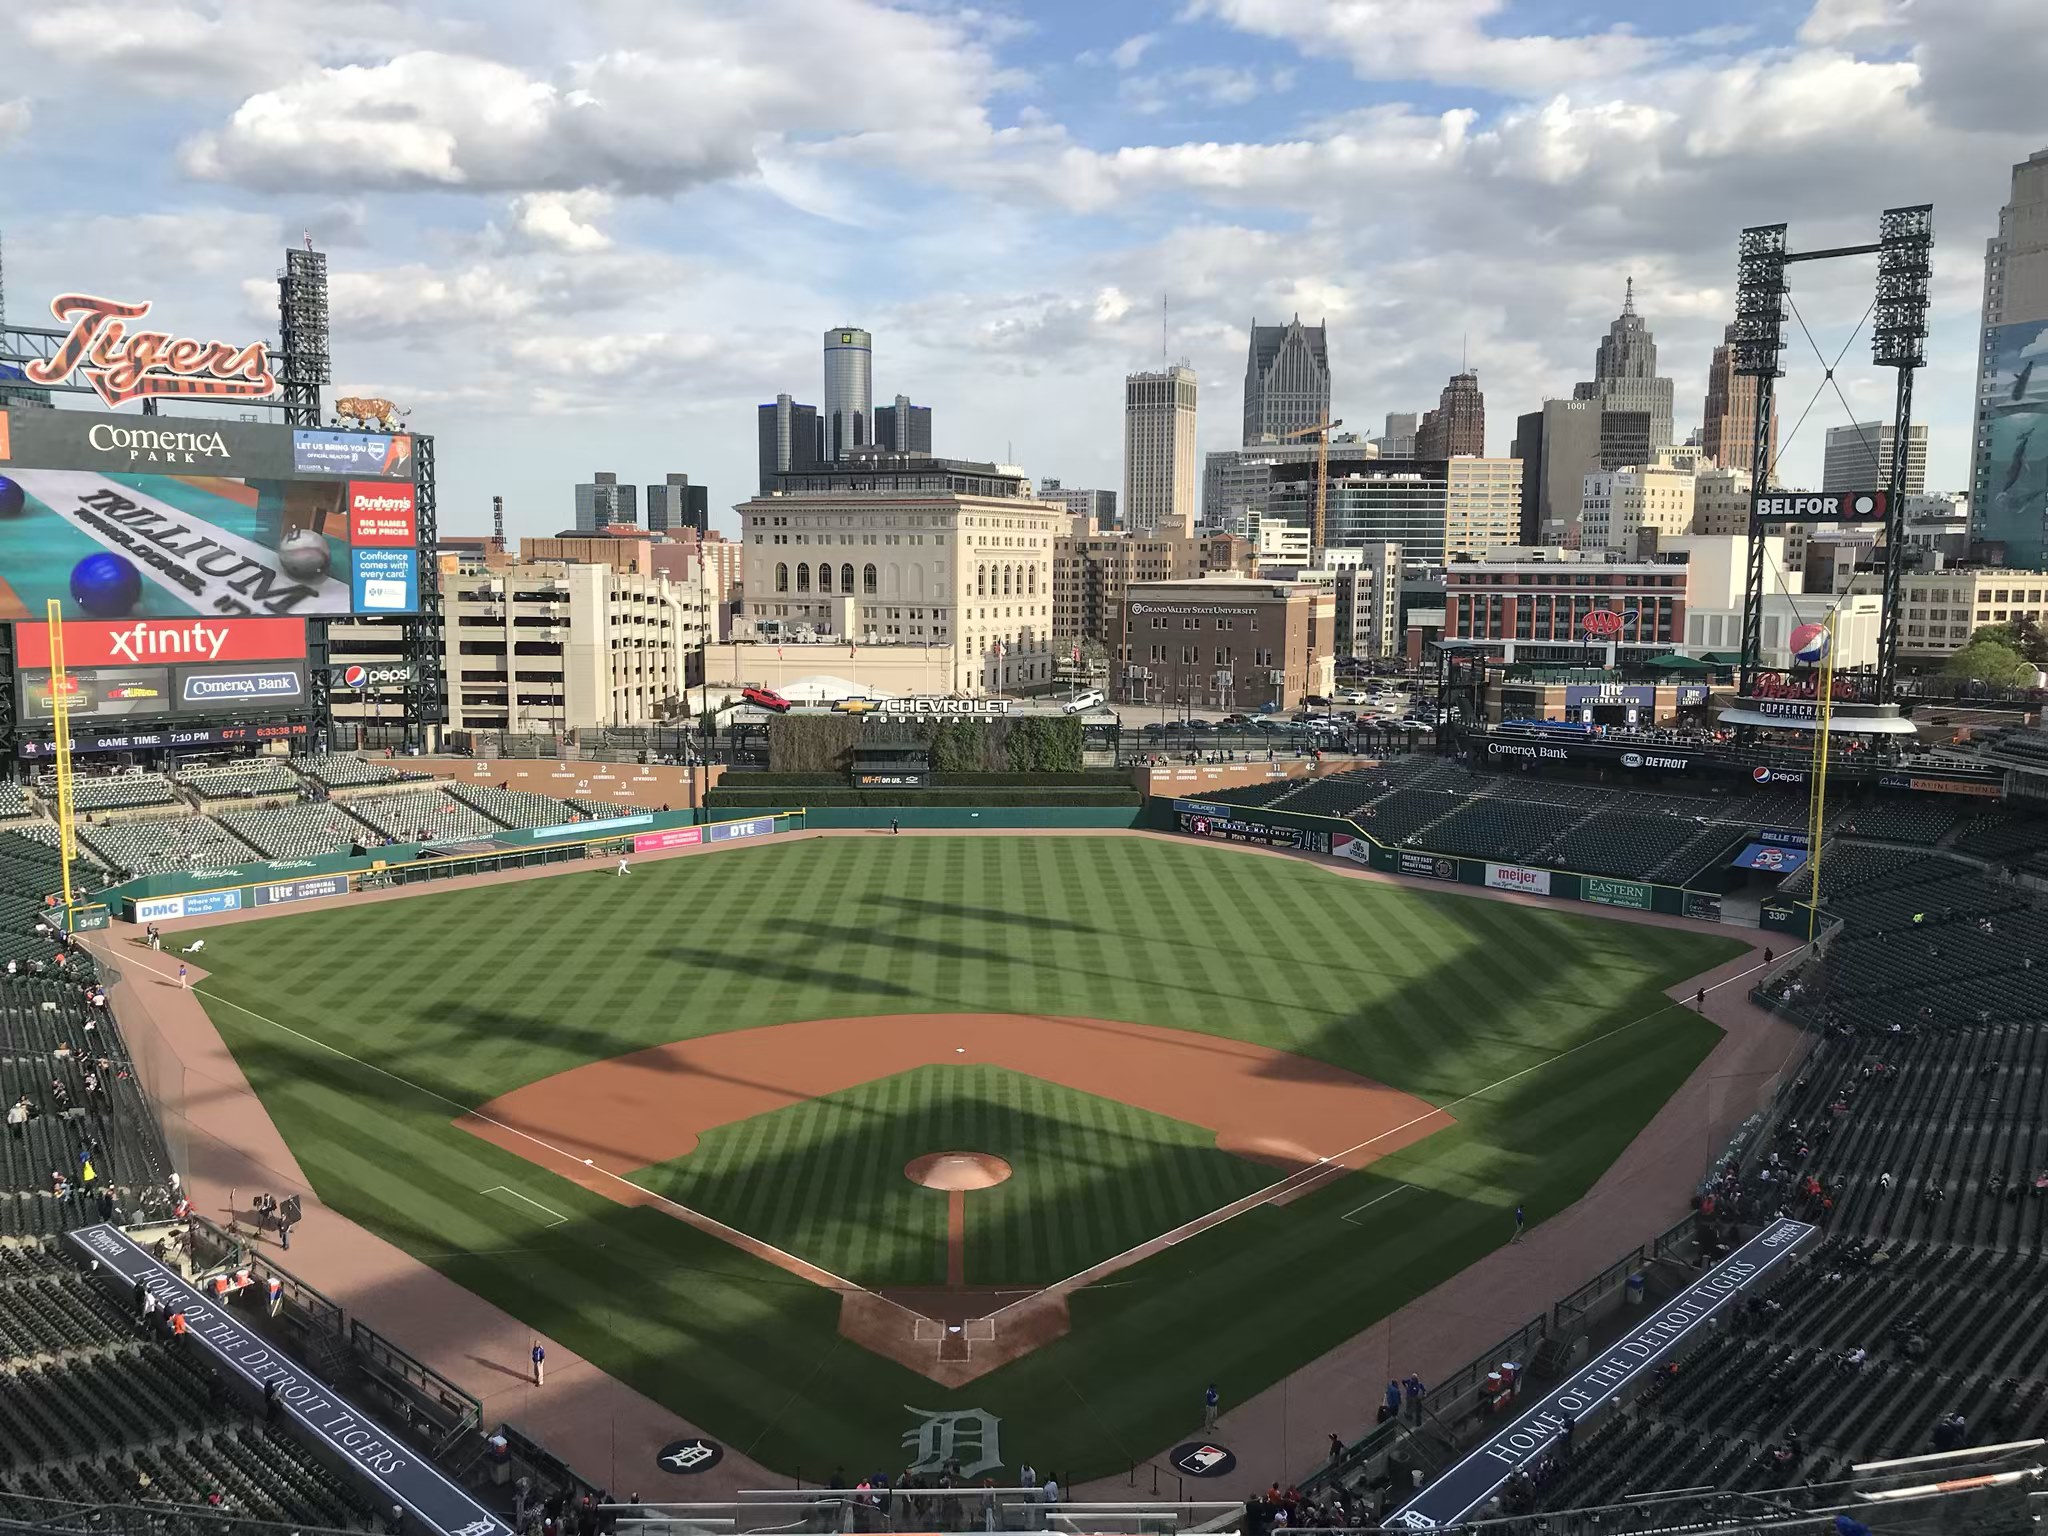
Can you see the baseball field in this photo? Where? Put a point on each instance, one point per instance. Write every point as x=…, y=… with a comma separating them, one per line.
x=672, y=1117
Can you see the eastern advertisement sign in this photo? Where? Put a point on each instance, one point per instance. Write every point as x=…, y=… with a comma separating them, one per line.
x=1513, y=877
x=1632, y=894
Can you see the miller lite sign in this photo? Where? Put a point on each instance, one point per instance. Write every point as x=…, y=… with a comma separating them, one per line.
x=122, y=364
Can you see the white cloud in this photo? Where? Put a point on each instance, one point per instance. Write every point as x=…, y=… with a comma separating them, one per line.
x=1201, y=85
x=1126, y=54
x=1446, y=42
x=562, y=220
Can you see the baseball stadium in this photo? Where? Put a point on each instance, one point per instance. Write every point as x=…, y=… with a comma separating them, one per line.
x=971, y=1112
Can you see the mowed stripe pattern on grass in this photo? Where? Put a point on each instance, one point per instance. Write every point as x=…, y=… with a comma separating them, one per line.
x=474, y=993
x=825, y=1180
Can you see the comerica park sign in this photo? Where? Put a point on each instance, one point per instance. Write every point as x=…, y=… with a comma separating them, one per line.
x=1819, y=506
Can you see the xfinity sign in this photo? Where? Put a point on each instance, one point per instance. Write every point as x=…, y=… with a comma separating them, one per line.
x=1819, y=506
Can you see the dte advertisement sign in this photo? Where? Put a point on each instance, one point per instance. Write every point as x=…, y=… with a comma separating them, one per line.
x=158, y=517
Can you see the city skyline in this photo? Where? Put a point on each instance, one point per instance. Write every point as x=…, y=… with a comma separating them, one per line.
x=1511, y=167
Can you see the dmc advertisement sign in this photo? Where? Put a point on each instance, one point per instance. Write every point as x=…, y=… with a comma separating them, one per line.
x=1429, y=866
x=1513, y=877
x=1632, y=894
x=163, y=908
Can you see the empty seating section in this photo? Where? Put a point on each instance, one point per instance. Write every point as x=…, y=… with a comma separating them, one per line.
x=114, y=792
x=2004, y=836
x=163, y=842
x=1250, y=794
x=258, y=776
x=422, y=815
x=1400, y=815
x=1494, y=828
x=590, y=807
x=1925, y=821
x=341, y=770
x=515, y=807
x=296, y=831
x=13, y=801
x=92, y=1413
x=1621, y=845
x=28, y=874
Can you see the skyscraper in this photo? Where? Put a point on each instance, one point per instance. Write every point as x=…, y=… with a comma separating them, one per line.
x=849, y=409
x=1159, y=452
x=791, y=438
x=675, y=504
x=903, y=427
x=1457, y=425
x=1286, y=379
x=2009, y=450
x=1558, y=446
x=1728, y=433
x=602, y=501
x=1399, y=441
x=1625, y=372
x=1859, y=458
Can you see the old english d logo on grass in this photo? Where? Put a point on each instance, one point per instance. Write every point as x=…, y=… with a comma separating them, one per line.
x=942, y=1437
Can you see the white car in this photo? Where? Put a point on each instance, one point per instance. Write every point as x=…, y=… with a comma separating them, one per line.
x=1081, y=703
x=1353, y=696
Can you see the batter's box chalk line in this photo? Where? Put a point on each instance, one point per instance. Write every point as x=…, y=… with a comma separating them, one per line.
x=976, y=1330
x=503, y=1189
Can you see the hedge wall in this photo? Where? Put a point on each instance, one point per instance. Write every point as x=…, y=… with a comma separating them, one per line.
x=823, y=744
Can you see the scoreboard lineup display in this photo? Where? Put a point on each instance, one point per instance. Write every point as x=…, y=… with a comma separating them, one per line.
x=120, y=517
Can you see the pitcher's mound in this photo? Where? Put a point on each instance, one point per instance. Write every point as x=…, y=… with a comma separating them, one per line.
x=956, y=1170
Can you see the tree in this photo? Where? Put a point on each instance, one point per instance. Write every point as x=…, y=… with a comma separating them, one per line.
x=1991, y=662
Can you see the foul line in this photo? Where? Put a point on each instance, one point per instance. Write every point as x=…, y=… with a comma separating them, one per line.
x=695, y=1218
x=1320, y=1168
x=1375, y=1200
x=506, y=1189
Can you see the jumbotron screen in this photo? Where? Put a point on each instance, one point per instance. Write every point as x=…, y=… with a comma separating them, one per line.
x=129, y=516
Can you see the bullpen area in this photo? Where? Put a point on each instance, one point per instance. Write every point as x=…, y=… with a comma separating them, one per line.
x=823, y=1142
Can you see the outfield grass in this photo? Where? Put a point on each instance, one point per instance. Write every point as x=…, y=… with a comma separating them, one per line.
x=470, y=994
x=1089, y=1177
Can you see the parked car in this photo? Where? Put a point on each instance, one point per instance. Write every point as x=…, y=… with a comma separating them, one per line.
x=765, y=699
x=1081, y=703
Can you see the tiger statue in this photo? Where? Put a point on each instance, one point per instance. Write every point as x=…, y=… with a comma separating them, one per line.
x=367, y=411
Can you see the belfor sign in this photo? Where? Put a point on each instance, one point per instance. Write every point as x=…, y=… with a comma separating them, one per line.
x=123, y=365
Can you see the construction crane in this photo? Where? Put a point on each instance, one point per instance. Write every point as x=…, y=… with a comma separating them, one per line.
x=1324, y=429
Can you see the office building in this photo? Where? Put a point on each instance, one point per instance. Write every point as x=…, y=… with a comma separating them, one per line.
x=1720, y=501
x=1235, y=481
x=1944, y=608
x=1625, y=375
x=1281, y=548
x=1618, y=506
x=675, y=506
x=950, y=557
x=1091, y=572
x=791, y=438
x=1728, y=430
x=1939, y=524
x=554, y=645
x=1626, y=438
x=2009, y=467
x=1482, y=505
x=1097, y=509
x=1537, y=595
x=1859, y=458
x=1559, y=446
x=1367, y=583
x=847, y=418
x=1159, y=452
x=1230, y=643
x=1398, y=439
x=903, y=427
x=1286, y=380
x=1457, y=425
x=1380, y=501
x=603, y=503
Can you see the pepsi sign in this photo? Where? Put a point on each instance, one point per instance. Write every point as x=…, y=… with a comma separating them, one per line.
x=382, y=674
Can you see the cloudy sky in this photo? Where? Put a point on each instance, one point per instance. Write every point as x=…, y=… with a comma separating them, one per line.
x=595, y=235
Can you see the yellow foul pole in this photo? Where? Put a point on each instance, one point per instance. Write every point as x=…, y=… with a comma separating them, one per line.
x=60, y=715
x=1817, y=780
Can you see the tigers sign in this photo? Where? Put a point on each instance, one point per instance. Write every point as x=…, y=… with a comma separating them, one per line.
x=122, y=364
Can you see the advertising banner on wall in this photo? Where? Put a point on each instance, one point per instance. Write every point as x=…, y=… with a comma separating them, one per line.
x=1513, y=877
x=1357, y=849
x=301, y=890
x=1236, y=830
x=1632, y=894
x=122, y=517
x=182, y=736
x=673, y=837
x=2011, y=501
x=1429, y=866
x=143, y=668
